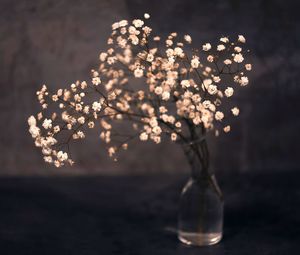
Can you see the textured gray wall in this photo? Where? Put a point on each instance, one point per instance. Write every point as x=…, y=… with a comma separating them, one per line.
x=57, y=42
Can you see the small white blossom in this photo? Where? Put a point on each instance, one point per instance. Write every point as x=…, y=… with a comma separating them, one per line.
x=138, y=23
x=220, y=47
x=224, y=39
x=173, y=136
x=188, y=38
x=235, y=111
x=226, y=129
x=195, y=62
x=178, y=51
x=237, y=49
x=34, y=131
x=227, y=62
x=212, y=89
x=138, y=73
x=150, y=57
x=96, y=106
x=238, y=58
x=103, y=56
x=62, y=156
x=244, y=81
x=229, y=91
x=91, y=124
x=166, y=95
x=241, y=39
x=206, y=47
x=248, y=67
x=96, y=81
x=219, y=115
x=185, y=83
x=56, y=129
x=31, y=121
x=81, y=120
x=158, y=90
x=111, y=151
x=47, y=123
x=144, y=136
x=210, y=58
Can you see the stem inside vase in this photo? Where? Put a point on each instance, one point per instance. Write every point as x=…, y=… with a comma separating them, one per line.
x=200, y=220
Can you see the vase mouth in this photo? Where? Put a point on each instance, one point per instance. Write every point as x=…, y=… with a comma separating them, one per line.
x=202, y=175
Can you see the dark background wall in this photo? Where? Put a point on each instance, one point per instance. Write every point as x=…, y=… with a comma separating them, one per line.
x=57, y=42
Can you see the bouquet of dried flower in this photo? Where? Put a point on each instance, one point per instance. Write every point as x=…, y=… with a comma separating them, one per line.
x=180, y=94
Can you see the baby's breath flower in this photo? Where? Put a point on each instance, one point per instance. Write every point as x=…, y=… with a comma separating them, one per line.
x=210, y=58
x=206, y=47
x=216, y=79
x=227, y=62
x=111, y=151
x=80, y=134
x=96, y=81
x=212, y=89
x=47, y=124
x=96, y=106
x=158, y=90
x=103, y=56
x=241, y=39
x=138, y=73
x=185, y=83
x=224, y=39
x=32, y=121
x=237, y=49
x=220, y=47
x=169, y=43
x=166, y=95
x=178, y=124
x=228, y=91
x=56, y=129
x=178, y=51
x=146, y=16
x=144, y=136
x=162, y=109
x=91, y=124
x=173, y=136
x=188, y=38
x=138, y=23
x=62, y=156
x=157, y=139
x=219, y=115
x=238, y=58
x=195, y=62
x=81, y=120
x=34, y=131
x=235, y=111
x=150, y=57
x=244, y=81
x=226, y=129
x=123, y=23
x=248, y=67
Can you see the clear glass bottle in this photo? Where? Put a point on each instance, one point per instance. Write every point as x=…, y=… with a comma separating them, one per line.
x=200, y=217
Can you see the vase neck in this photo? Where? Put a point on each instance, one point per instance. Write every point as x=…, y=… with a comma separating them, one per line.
x=198, y=159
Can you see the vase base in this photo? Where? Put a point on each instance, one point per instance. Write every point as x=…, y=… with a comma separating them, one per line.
x=199, y=239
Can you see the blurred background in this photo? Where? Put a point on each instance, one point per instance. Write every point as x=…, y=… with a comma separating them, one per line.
x=58, y=42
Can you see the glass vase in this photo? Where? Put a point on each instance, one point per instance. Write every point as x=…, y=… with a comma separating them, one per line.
x=200, y=217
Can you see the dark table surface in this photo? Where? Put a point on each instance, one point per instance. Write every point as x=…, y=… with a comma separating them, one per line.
x=137, y=215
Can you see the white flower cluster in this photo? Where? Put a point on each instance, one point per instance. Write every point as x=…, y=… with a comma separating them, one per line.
x=186, y=89
x=46, y=143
